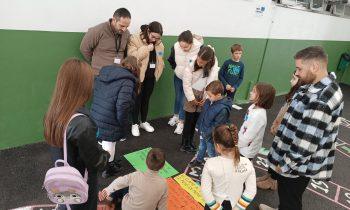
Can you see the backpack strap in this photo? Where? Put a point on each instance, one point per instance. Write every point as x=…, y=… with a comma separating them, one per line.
x=65, y=138
x=65, y=144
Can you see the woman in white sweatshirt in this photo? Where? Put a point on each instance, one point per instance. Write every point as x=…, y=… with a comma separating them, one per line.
x=184, y=50
x=252, y=131
x=224, y=176
x=196, y=76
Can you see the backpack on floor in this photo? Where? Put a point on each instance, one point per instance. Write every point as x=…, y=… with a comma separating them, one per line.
x=64, y=184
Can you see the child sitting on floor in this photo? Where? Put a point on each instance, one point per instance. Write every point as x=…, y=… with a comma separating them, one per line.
x=147, y=190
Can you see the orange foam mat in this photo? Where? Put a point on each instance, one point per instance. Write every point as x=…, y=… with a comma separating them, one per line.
x=178, y=198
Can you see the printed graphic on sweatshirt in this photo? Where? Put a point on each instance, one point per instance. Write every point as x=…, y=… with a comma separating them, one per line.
x=233, y=69
x=241, y=168
x=246, y=116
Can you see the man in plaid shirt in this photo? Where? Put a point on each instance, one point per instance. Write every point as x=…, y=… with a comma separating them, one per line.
x=304, y=145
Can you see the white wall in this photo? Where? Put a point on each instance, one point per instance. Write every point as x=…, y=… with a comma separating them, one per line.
x=221, y=18
x=298, y=24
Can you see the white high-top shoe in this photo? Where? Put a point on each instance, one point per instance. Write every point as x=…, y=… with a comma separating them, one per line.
x=147, y=127
x=135, y=130
x=179, y=128
x=173, y=120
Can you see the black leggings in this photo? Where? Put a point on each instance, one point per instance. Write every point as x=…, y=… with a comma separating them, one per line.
x=142, y=100
x=290, y=190
x=190, y=124
x=272, y=173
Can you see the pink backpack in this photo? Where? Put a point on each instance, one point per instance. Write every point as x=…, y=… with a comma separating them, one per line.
x=64, y=184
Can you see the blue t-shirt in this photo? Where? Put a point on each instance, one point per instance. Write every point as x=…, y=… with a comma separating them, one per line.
x=231, y=72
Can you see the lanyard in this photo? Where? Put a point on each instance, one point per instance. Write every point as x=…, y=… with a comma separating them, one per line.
x=118, y=40
x=117, y=37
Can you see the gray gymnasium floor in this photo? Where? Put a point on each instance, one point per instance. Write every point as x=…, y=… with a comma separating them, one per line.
x=23, y=168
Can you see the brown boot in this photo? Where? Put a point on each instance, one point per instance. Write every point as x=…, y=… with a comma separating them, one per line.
x=267, y=184
x=265, y=207
x=263, y=178
x=274, y=185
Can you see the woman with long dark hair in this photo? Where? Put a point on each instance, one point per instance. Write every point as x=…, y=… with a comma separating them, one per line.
x=148, y=48
x=196, y=76
x=72, y=91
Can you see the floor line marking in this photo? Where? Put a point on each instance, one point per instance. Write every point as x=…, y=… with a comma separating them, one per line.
x=342, y=140
x=343, y=153
x=320, y=194
x=339, y=185
x=336, y=198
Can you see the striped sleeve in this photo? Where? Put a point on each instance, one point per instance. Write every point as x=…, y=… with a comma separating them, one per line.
x=213, y=205
x=243, y=202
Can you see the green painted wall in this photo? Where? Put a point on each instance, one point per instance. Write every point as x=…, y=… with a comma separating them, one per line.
x=278, y=62
x=29, y=61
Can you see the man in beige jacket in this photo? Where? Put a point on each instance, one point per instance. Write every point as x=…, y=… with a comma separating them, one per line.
x=106, y=43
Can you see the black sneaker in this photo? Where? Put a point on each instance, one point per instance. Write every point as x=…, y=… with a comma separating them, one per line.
x=187, y=149
x=192, y=147
x=112, y=169
x=196, y=163
x=182, y=148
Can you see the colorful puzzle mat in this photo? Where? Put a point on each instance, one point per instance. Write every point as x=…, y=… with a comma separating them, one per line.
x=184, y=193
x=191, y=187
x=138, y=161
x=178, y=198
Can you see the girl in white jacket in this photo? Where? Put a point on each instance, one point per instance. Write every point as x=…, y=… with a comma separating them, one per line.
x=196, y=76
x=252, y=131
x=183, y=51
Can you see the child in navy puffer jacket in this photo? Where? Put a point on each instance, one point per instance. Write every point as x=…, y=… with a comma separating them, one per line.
x=114, y=95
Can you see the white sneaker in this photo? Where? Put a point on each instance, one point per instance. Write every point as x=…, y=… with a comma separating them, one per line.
x=265, y=207
x=173, y=120
x=135, y=130
x=179, y=128
x=147, y=127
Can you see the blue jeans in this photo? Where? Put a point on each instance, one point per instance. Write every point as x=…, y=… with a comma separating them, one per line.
x=179, y=98
x=205, y=146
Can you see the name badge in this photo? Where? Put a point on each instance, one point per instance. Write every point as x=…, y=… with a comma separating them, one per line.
x=152, y=65
x=117, y=60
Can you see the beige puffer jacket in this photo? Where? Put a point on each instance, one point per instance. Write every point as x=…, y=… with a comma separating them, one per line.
x=138, y=47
